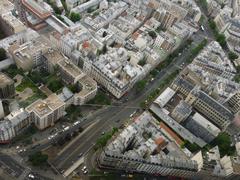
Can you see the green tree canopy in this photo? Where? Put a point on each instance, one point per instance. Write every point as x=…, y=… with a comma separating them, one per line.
x=75, y=17
x=140, y=85
x=152, y=34
x=38, y=158
x=232, y=55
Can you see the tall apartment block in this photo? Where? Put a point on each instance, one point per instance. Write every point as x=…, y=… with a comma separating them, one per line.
x=7, y=89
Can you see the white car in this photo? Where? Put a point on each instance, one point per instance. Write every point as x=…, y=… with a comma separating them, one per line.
x=66, y=128
x=84, y=168
x=77, y=122
x=31, y=176
x=50, y=137
x=85, y=172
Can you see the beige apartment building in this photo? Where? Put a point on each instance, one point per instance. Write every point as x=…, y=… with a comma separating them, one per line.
x=45, y=113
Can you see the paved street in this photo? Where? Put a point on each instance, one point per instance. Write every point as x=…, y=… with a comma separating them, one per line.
x=16, y=169
x=114, y=117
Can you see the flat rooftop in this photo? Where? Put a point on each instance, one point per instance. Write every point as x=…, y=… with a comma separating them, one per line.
x=88, y=85
x=5, y=6
x=28, y=49
x=71, y=68
x=53, y=56
x=36, y=8
x=46, y=106
x=15, y=23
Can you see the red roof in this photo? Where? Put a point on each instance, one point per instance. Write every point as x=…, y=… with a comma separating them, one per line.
x=85, y=45
x=160, y=141
x=171, y=133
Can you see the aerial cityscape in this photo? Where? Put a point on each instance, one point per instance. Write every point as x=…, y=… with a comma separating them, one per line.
x=119, y=89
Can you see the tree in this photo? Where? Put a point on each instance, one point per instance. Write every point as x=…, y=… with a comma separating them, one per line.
x=140, y=85
x=142, y=62
x=74, y=88
x=232, y=55
x=2, y=54
x=75, y=17
x=55, y=85
x=223, y=141
x=100, y=99
x=56, y=9
x=152, y=34
x=154, y=72
x=222, y=40
x=38, y=158
x=192, y=147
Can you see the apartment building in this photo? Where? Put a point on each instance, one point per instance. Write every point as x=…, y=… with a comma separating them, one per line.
x=165, y=18
x=222, y=20
x=203, y=128
x=50, y=59
x=45, y=113
x=165, y=41
x=182, y=86
x=168, y=158
x=88, y=90
x=8, y=22
x=29, y=54
x=113, y=71
x=83, y=6
x=7, y=89
x=13, y=124
x=233, y=102
x=70, y=73
x=74, y=3
x=209, y=107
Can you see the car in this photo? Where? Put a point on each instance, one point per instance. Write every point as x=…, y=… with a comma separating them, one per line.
x=202, y=28
x=50, y=137
x=31, y=176
x=84, y=168
x=66, y=128
x=75, y=123
x=85, y=172
x=80, y=155
x=103, y=133
x=17, y=147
